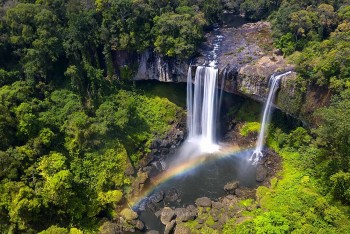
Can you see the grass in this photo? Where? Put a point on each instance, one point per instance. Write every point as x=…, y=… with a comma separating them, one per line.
x=249, y=127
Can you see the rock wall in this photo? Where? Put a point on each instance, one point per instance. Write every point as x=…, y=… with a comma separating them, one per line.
x=154, y=67
x=246, y=60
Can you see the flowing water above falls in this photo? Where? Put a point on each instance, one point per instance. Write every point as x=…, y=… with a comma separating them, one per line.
x=202, y=100
x=273, y=86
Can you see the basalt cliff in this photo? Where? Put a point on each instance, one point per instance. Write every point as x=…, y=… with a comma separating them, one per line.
x=246, y=59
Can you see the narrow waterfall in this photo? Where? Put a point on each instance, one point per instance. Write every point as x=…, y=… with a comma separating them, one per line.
x=273, y=86
x=202, y=108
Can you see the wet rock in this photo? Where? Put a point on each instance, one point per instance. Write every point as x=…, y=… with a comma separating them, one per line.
x=164, y=151
x=184, y=215
x=155, y=144
x=172, y=195
x=203, y=202
x=167, y=215
x=157, y=197
x=261, y=173
x=182, y=230
x=165, y=144
x=129, y=214
x=169, y=227
x=231, y=186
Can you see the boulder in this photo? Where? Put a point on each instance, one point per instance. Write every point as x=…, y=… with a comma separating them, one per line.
x=167, y=215
x=217, y=205
x=184, y=215
x=172, y=195
x=192, y=208
x=261, y=173
x=203, y=202
x=129, y=214
x=231, y=186
x=157, y=197
x=169, y=227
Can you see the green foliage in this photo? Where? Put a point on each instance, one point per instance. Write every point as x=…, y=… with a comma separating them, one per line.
x=177, y=34
x=286, y=44
x=271, y=222
x=333, y=137
x=298, y=138
x=250, y=127
x=55, y=230
x=63, y=165
x=250, y=111
x=341, y=185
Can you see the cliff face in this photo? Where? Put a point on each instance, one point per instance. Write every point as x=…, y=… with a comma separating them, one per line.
x=246, y=59
x=154, y=67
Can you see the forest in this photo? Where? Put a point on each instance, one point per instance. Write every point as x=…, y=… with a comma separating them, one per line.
x=74, y=127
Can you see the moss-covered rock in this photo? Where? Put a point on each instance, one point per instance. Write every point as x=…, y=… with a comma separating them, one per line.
x=129, y=214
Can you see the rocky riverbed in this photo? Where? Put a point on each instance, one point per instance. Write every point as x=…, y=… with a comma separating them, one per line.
x=174, y=207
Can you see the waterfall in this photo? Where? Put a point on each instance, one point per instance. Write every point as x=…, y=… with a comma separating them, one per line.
x=189, y=101
x=202, y=108
x=273, y=86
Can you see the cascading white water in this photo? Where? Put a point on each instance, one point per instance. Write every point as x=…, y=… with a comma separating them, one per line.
x=202, y=108
x=189, y=101
x=273, y=86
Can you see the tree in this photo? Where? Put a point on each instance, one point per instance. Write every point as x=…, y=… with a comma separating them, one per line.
x=177, y=34
x=35, y=31
x=327, y=18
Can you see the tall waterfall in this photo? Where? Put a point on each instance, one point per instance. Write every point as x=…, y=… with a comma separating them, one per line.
x=202, y=106
x=273, y=86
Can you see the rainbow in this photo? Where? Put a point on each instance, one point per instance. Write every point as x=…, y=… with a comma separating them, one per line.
x=181, y=169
